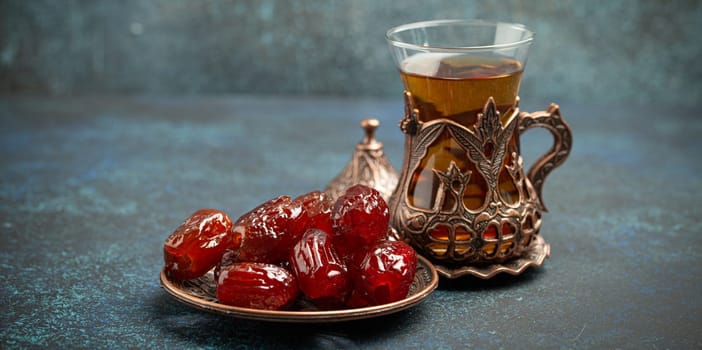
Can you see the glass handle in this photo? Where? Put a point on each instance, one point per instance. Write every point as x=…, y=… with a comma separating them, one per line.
x=551, y=120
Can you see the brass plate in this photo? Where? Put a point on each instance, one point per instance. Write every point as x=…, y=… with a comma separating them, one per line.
x=536, y=254
x=200, y=294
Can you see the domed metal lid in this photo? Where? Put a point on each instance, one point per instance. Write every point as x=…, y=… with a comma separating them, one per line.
x=368, y=166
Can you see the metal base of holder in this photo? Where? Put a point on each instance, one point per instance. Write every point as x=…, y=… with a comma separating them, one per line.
x=536, y=254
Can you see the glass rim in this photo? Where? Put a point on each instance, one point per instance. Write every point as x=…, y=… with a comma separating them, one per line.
x=457, y=22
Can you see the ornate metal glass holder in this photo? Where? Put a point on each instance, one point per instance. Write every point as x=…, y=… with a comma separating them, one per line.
x=499, y=236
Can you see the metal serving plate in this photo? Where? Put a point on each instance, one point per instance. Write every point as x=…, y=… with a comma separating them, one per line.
x=200, y=294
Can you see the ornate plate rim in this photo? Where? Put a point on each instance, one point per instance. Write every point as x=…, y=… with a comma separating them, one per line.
x=535, y=256
x=308, y=316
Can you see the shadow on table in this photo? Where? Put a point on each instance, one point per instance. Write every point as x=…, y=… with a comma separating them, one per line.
x=204, y=329
x=184, y=325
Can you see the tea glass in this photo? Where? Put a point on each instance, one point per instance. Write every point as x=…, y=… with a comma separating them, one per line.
x=463, y=197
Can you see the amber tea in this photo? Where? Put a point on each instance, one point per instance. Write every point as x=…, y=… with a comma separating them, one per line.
x=456, y=87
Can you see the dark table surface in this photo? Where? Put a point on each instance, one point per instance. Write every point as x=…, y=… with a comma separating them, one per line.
x=90, y=187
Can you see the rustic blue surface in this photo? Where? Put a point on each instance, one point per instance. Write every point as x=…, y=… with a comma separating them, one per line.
x=596, y=50
x=91, y=187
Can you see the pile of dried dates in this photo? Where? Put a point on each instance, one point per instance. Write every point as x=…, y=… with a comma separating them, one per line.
x=334, y=254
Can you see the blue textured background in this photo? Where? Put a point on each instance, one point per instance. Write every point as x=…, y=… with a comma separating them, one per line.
x=91, y=183
x=92, y=186
x=596, y=52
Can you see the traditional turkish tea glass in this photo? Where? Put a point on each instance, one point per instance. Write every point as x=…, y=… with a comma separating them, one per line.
x=463, y=196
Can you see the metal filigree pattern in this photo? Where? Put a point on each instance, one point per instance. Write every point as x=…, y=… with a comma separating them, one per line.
x=410, y=123
x=535, y=256
x=448, y=232
x=552, y=121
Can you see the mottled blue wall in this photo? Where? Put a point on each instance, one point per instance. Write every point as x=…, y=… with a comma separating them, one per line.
x=586, y=51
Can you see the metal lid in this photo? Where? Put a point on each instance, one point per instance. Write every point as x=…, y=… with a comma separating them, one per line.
x=368, y=166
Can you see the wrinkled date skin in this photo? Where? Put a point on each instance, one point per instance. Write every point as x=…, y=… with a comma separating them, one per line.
x=197, y=244
x=317, y=206
x=386, y=272
x=360, y=219
x=269, y=231
x=256, y=286
x=321, y=275
x=229, y=257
